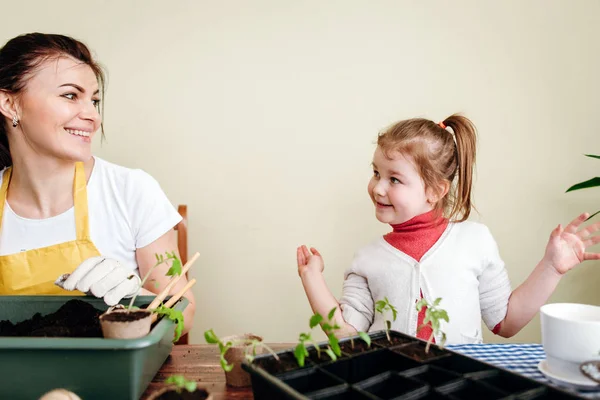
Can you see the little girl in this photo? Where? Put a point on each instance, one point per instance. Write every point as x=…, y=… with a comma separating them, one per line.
x=421, y=186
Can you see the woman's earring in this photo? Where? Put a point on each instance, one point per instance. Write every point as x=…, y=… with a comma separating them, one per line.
x=15, y=121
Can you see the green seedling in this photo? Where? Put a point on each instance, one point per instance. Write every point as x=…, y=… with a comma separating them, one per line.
x=175, y=269
x=435, y=315
x=381, y=307
x=181, y=383
x=330, y=327
x=333, y=349
x=174, y=315
x=249, y=353
x=363, y=336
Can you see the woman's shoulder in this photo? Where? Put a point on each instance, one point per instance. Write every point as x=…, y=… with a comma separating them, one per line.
x=122, y=177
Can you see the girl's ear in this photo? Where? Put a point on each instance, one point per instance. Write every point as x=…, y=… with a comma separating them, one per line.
x=434, y=196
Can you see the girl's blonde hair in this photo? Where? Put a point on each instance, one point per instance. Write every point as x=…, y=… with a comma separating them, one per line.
x=439, y=156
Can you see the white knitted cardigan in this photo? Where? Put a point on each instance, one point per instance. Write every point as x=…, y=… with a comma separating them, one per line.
x=463, y=267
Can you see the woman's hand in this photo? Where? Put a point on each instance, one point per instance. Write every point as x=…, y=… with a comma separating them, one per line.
x=102, y=277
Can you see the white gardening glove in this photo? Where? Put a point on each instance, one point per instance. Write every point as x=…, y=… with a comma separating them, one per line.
x=103, y=277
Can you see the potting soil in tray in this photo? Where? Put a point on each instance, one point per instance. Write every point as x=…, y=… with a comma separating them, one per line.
x=94, y=368
x=198, y=394
x=76, y=318
x=389, y=371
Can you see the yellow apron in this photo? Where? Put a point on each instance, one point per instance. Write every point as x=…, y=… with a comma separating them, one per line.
x=33, y=272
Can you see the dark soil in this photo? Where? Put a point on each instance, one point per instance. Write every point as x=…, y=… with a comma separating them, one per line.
x=125, y=316
x=287, y=362
x=198, y=394
x=75, y=318
x=395, y=341
x=314, y=356
x=359, y=347
x=417, y=352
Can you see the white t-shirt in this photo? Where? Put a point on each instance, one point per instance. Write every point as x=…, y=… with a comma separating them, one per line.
x=127, y=210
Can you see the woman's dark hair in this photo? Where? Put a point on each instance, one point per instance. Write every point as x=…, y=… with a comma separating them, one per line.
x=22, y=55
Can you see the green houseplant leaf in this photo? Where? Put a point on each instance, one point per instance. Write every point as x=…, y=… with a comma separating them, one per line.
x=590, y=183
x=594, y=182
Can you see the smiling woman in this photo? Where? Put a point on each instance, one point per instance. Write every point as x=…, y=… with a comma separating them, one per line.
x=62, y=210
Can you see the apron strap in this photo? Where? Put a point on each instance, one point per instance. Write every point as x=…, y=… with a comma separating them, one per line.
x=82, y=225
x=4, y=191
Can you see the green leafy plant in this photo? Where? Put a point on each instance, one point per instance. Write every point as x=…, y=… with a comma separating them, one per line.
x=181, y=383
x=172, y=314
x=381, y=307
x=250, y=348
x=590, y=183
x=333, y=349
x=435, y=315
x=175, y=269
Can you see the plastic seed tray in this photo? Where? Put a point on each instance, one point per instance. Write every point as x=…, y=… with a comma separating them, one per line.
x=397, y=369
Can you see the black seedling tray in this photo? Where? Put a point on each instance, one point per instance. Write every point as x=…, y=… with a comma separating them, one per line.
x=399, y=370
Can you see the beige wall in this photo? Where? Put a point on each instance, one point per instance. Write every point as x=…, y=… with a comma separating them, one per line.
x=261, y=116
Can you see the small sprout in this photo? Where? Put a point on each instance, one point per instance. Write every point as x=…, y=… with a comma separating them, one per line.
x=329, y=328
x=300, y=352
x=435, y=315
x=365, y=338
x=174, y=315
x=175, y=265
x=333, y=349
x=211, y=338
x=181, y=383
x=250, y=348
x=381, y=307
x=175, y=269
x=160, y=259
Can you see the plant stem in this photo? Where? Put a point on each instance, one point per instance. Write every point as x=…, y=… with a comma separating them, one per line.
x=270, y=350
x=428, y=343
x=144, y=281
x=253, y=344
x=387, y=333
x=318, y=349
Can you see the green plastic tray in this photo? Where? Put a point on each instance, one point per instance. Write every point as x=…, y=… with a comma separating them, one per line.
x=93, y=368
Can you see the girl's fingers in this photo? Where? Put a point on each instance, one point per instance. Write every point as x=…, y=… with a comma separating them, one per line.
x=300, y=257
x=591, y=256
x=573, y=225
x=315, y=252
x=556, y=231
x=306, y=252
x=592, y=240
x=589, y=230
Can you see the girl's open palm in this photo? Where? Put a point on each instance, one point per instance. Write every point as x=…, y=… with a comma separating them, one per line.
x=567, y=247
x=309, y=260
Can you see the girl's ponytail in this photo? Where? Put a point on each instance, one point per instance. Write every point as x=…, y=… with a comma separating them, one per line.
x=466, y=139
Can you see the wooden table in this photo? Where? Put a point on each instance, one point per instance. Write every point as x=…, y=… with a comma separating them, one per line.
x=200, y=362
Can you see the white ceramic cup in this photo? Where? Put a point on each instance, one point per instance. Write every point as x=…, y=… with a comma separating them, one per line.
x=570, y=336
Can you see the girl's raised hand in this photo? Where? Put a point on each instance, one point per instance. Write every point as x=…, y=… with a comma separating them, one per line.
x=309, y=261
x=567, y=247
